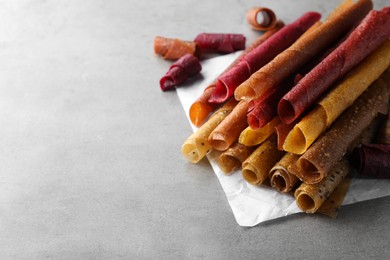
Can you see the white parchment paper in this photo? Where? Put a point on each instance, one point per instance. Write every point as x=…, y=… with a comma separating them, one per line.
x=250, y=204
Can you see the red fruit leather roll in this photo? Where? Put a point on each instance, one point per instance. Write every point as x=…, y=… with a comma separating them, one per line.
x=365, y=38
x=220, y=42
x=173, y=49
x=201, y=108
x=264, y=109
x=260, y=56
x=374, y=160
x=184, y=68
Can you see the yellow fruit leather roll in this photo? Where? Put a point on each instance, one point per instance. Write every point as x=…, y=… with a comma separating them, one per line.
x=310, y=197
x=256, y=167
x=253, y=137
x=196, y=146
x=328, y=149
x=280, y=177
x=342, y=95
x=232, y=158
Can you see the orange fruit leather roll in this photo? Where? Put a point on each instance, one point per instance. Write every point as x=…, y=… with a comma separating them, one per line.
x=342, y=95
x=345, y=17
x=173, y=49
x=201, y=108
x=196, y=146
x=228, y=131
x=310, y=197
x=267, y=22
x=255, y=169
x=280, y=177
x=327, y=150
x=232, y=158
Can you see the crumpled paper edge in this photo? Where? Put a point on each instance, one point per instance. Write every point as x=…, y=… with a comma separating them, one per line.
x=251, y=204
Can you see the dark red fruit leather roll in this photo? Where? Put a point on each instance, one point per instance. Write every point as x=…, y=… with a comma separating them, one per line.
x=220, y=42
x=184, y=68
x=374, y=160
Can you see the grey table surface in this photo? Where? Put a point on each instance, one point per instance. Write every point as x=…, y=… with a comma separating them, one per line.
x=90, y=146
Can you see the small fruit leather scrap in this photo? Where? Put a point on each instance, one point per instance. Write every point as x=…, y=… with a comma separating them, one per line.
x=374, y=160
x=184, y=68
x=220, y=42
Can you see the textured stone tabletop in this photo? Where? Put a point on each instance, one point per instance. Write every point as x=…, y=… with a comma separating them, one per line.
x=90, y=146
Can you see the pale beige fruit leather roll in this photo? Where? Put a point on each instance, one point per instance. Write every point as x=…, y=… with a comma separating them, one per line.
x=196, y=146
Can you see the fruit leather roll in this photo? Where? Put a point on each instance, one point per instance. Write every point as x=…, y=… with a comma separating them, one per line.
x=261, y=18
x=196, y=146
x=256, y=167
x=182, y=69
x=220, y=42
x=173, y=49
x=280, y=177
x=327, y=150
x=261, y=55
x=253, y=137
x=264, y=109
x=232, y=158
x=310, y=197
x=228, y=131
x=201, y=108
x=345, y=17
x=373, y=31
x=373, y=160
x=342, y=95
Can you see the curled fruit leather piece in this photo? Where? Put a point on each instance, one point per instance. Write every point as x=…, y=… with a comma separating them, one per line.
x=184, y=68
x=261, y=18
x=264, y=109
x=373, y=31
x=173, y=49
x=220, y=42
x=260, y=56
x=373, y=160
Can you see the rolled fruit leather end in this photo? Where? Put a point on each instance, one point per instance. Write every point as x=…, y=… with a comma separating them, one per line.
x=229, y=164
x=199, y=111
x=261, y=18
x=167, y=83
x=220, y=93
x=286, y=111
x=249, y=174
x=279, y=181
x=295, y=142
x=313, y=175
x=190, y=152
x=218, y=142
